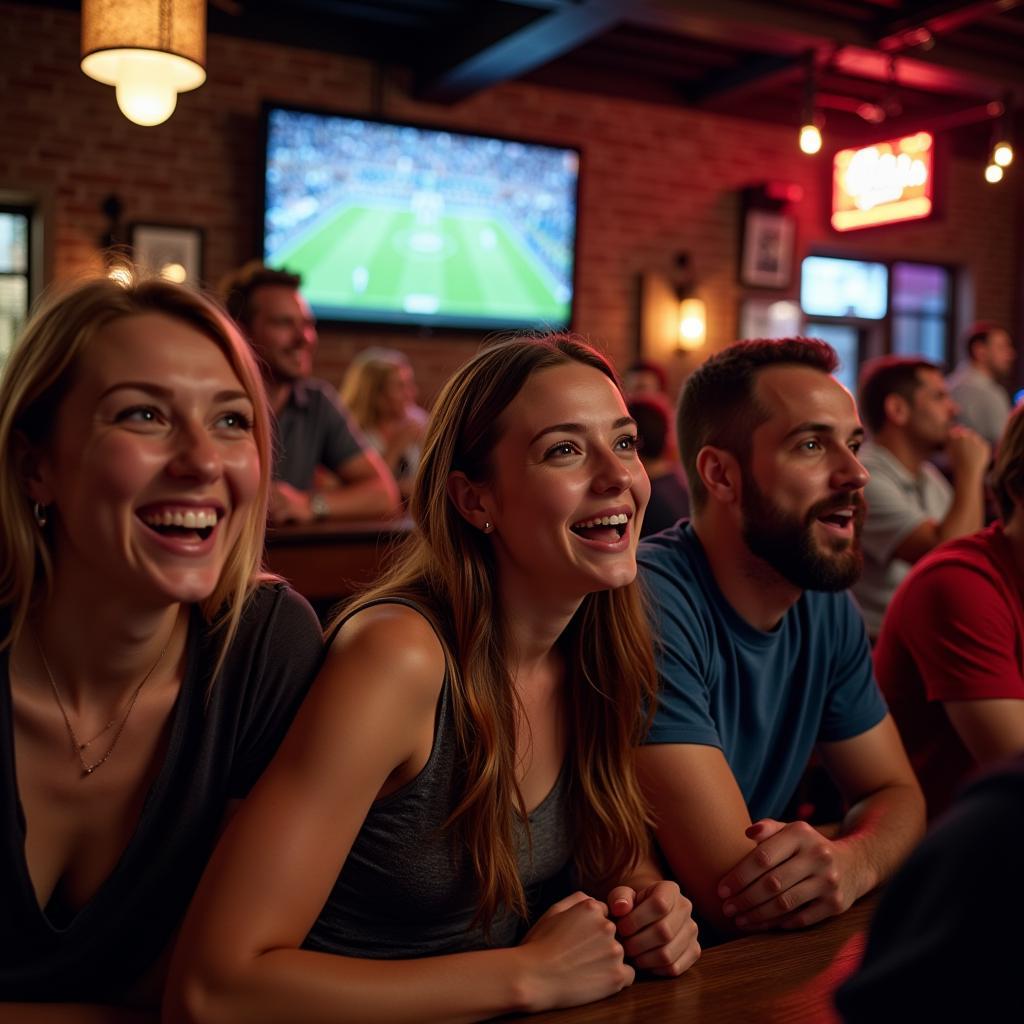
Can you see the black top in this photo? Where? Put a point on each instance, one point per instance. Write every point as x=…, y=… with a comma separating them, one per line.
x=215, y=754
x=945, y=943
x=406, y=890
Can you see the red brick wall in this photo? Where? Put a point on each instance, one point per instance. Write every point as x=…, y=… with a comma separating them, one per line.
x=656, y=180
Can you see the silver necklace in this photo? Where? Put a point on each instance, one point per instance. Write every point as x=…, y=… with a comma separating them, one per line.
x=76, y=745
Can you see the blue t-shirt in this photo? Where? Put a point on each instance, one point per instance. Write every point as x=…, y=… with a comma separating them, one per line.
x=764, y=699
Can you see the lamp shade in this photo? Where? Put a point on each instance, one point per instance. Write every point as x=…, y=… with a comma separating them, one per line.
x=150, y=50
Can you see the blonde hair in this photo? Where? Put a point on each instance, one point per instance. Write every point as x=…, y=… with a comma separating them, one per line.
x=1008, y=472
x=365, y=381
x=37, y=378
x=447, y=567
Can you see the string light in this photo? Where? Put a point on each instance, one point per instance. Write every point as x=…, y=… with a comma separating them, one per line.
x=810, y=132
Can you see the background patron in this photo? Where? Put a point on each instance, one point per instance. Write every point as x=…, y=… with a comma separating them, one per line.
x=311, y=428
x=911, y=505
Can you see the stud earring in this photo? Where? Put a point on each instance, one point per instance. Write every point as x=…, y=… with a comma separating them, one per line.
x=488, y=527
x=40, y=513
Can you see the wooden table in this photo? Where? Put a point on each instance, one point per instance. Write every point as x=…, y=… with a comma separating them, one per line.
x=775, y=978
x=330, y=560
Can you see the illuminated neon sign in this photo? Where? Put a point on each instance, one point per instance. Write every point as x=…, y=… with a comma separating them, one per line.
x=884, y=183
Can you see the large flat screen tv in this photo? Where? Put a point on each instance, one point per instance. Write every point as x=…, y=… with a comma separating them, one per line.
x=401, y=224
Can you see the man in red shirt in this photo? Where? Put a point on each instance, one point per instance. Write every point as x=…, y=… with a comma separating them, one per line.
x=950, y=658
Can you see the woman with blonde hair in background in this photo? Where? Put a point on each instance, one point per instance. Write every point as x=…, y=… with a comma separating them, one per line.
x=148, y=668
x=379, y=390
x=455, y=814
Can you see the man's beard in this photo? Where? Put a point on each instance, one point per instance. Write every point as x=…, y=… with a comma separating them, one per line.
x=786, y=542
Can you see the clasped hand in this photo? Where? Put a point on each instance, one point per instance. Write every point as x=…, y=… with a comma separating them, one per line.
x=582, y=945
x=795, y=877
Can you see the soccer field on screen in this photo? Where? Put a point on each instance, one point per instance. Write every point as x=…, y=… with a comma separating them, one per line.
x=370, y=262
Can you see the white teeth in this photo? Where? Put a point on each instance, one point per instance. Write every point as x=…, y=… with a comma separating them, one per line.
x=193, y=519
x=619, y=519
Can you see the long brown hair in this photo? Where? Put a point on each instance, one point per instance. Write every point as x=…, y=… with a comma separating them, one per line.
x=448, y=567
x=35, y=381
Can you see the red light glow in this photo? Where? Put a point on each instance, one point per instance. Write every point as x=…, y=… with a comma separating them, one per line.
x=884, y=183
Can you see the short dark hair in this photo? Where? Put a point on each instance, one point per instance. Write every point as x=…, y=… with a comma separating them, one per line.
x=978, y=334
x=884, y=376
x=653, y=422
x=237, y=288
x=1008, y=473
x=718, y=406
x=646, y=366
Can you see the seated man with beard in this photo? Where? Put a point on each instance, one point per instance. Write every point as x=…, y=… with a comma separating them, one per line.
x=763, y=657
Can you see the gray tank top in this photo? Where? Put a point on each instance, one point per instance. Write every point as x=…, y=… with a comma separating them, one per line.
x=406, y=891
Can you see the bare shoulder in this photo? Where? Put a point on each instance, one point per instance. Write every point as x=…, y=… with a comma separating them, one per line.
x=391, y=642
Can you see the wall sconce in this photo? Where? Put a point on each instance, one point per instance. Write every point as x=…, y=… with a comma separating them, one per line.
x=673, y=321
x=149, y=50
x=693, y=324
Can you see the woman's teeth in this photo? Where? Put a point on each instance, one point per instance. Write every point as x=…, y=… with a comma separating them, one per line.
x=198, y=519
x=619, y=519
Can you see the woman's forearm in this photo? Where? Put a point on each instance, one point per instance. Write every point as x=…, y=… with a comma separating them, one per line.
x=304, y=987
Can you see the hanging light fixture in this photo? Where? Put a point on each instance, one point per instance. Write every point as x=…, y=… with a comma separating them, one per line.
x=810, y=131
x=1002, y=148
x=1001, y=154
x=149, y=50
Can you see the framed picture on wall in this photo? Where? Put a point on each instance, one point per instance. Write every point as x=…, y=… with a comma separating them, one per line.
x=171, y=251
x=766, y=254
x=762, y=317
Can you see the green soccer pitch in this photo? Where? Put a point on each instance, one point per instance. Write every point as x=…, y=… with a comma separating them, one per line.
x=377, y=259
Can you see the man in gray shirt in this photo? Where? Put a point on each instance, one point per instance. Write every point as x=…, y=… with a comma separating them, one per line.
x=911, y=505
x=977, y=383
x=311, y=428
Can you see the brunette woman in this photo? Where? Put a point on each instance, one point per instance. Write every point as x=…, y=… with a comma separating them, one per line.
x=467, y=746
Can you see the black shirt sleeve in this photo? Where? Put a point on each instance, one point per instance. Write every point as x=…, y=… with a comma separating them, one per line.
x=281, y=649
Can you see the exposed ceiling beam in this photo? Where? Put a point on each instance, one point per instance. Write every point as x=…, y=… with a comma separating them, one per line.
x=510, y=42
x=752, y=75
x=937, y=19
x=943, y=69
x=754, y=25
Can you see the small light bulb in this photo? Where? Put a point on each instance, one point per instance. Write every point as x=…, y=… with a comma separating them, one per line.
x=810, y=139
x=993, y=173
x=174, y=272
x=1002, y=154
x=692, y=323
x=145, y=88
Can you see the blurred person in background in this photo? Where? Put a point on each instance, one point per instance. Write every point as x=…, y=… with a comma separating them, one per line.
x=912, y=507
x=311, y=428
x=950, y=659
x=644, y=377
x=379, y=392
x=977, y=385
x=670, y=501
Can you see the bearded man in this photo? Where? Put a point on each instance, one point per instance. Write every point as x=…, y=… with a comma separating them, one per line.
x=763, y=656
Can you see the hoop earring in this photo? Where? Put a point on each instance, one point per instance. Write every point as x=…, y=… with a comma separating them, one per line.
x=40, y=513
